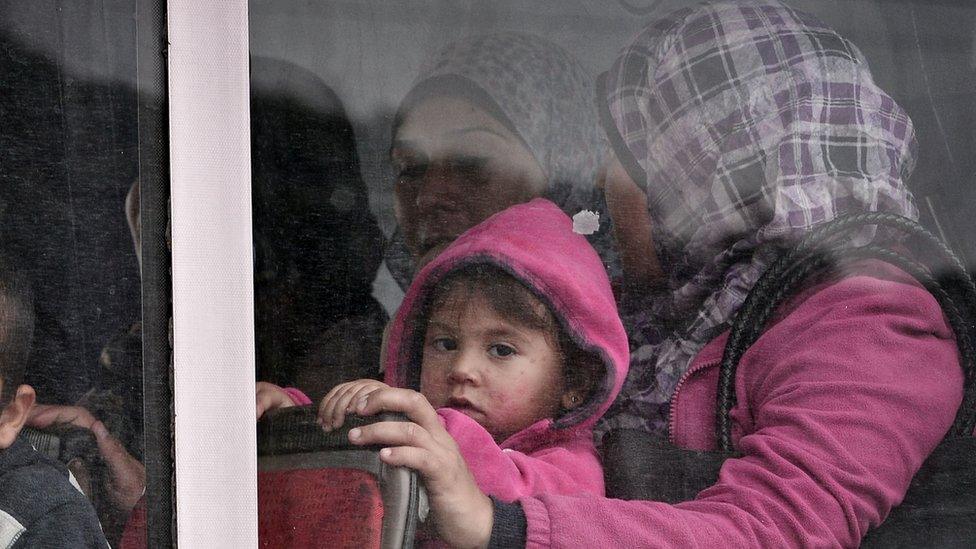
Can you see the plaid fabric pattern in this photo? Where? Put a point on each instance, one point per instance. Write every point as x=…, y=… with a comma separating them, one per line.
x=749, y=123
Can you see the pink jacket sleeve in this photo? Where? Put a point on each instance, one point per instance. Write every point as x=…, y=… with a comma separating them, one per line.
x=570, y=468
x=838, y=405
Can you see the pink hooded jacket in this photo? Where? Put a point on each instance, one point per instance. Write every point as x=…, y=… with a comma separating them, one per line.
x=838, y=404
x=535, y=243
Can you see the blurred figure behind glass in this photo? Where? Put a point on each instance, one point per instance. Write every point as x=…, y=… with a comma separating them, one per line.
x=317, y=246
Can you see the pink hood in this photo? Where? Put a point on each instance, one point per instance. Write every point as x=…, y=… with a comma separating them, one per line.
x=535, y=243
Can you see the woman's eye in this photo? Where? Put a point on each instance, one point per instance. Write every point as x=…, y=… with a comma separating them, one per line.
x=500, y=350
x=410, y=172
x=470, y=170
x=444, y=344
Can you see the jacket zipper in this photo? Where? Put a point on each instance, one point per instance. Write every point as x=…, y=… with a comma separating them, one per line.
x=677, y=389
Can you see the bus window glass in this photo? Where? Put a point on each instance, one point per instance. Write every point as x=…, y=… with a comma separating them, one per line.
x=382, y=131
x=71, y=197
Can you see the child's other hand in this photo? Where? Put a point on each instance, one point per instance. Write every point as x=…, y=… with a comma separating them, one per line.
x=461, y=513
x=341, y=400
x=270, y=397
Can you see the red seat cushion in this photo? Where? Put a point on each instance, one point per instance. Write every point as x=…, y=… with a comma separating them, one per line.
x=319, y=508
x=134, y=535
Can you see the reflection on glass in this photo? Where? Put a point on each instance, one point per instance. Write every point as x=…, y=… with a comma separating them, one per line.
x=702, y=155
x=69, y=203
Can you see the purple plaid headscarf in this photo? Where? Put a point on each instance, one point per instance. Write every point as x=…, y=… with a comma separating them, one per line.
x=748, y=123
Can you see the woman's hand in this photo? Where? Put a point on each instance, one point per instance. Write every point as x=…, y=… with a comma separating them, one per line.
x=341, y=400
x=461, y=513
x=269, y=396
x=126, y=481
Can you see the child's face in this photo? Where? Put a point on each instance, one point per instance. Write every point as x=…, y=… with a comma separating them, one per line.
x=504, y=375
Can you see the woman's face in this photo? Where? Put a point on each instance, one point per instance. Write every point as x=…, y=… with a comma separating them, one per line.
x=455, y=166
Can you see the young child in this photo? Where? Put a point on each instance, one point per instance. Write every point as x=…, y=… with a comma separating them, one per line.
x=39, y=507
x=512, y=334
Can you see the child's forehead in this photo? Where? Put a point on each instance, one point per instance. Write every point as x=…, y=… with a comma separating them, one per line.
x=459, y=300
x=520, y=311
x=462, y=295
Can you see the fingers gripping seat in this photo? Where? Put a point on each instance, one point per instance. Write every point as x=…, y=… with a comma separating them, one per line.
x=315, y=489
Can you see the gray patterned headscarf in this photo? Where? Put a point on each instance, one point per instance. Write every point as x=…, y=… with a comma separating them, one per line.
x=748, y=123
x=544, y=96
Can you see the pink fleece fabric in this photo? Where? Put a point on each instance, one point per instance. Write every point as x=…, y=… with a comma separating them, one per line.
x=838, y=404
x=535, y=243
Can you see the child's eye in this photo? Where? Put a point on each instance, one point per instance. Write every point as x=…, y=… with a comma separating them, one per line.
x=500, y=350
x=444, y=344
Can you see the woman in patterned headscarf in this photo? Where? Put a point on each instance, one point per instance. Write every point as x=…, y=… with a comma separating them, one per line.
x=742, y=133
x=741, y=126
x=491, y=121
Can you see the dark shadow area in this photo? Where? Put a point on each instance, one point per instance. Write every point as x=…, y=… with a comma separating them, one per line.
x=317, y=246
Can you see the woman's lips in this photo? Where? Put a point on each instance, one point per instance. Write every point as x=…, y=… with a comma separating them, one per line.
x=441, y=228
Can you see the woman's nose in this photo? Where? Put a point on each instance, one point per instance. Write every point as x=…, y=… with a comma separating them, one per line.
x=437, y=188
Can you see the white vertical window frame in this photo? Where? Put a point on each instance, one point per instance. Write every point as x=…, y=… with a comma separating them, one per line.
x=213, y=326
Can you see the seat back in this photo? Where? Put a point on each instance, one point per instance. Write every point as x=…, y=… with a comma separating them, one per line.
x=75, y=448
x=315, y=489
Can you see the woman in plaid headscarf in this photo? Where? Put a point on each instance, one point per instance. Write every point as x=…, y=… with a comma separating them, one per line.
x=742, y=125
x=743, y=129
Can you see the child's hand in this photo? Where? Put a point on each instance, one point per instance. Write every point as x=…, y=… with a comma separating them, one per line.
x=271, y=397
x=341, y=400
x=461, y=513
